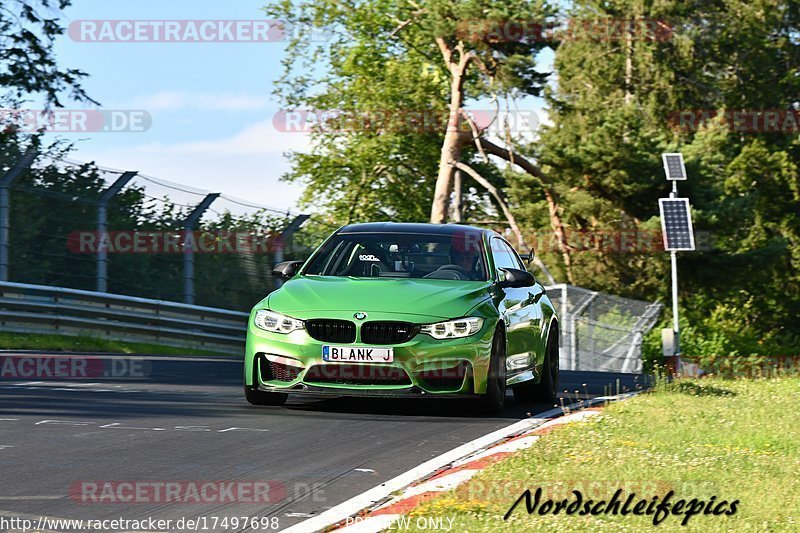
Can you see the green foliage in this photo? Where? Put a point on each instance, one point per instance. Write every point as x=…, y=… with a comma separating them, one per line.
x=27, y=63
x=51, y=204
x=382, y=59
x=83, y=343
x=614, y=112
x=712, y=438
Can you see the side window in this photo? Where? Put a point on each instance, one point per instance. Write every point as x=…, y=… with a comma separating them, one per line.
x=504, y=256
x=518, y=260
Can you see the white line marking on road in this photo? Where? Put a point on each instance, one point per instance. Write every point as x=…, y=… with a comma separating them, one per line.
x=367, y=470
x=24, y=498
x=118, y=425
x=240, y=429
x=5, y=446
x=440, y=484
x=62, y=423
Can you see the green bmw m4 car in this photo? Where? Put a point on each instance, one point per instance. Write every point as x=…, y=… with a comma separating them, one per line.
x=405, y=310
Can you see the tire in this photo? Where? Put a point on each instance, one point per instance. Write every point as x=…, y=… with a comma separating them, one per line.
x=546, y=390
x=257, y=397
x=494, y=399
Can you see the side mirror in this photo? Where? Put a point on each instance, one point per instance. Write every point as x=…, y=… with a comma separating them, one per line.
x=287, y=269
x=517, y=278
x=528, y=257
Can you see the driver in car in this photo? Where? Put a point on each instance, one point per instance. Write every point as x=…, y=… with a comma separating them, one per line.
x=466, y=260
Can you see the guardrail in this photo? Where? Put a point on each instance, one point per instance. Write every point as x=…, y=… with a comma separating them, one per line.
x=28, y=308
x=599, y=332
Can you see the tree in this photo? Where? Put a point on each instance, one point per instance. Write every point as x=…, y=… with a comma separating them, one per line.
x=406, y=59
x=28, y=65
x=616, y=108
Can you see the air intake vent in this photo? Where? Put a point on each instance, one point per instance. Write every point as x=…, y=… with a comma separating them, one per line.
x=388, y=332
x=357, y=375
x=325, y=330
x=272, y=371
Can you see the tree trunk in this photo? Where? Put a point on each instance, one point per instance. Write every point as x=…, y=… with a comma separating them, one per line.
x=454, y=137
x=458, y=186
x=451, y=151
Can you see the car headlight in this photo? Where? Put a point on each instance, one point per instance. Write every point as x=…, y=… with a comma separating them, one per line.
x=276, y=322
x=453, y=329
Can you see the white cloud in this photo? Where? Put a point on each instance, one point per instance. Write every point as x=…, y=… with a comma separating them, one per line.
x=248, y=164
x=202, y=101
x=260, y=138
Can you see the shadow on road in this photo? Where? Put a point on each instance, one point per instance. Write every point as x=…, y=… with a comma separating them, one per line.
x=212, y=388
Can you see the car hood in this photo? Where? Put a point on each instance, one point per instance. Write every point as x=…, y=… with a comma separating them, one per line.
x=424, y=298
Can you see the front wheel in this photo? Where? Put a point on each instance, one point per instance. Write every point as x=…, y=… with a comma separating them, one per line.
x=258, y=397
x=547, y=388
x=495, y=397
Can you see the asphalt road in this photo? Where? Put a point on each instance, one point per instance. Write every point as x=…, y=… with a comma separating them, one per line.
x=187, y=421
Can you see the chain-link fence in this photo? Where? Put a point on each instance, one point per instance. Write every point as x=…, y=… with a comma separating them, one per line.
x=78, y=225
x=81, y=226
x=601, y=332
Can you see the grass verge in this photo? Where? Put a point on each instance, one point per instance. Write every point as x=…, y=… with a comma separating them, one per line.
x=68, y=343
x=728, y=439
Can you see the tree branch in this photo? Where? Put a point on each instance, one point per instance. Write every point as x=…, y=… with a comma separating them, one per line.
x=549, y=194
x=512, y=222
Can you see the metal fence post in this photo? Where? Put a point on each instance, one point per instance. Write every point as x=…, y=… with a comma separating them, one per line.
x=5, y=182
x=286, y=240
x=102, y=227
x=188, y=246
x=574, y=333
x=563, y=354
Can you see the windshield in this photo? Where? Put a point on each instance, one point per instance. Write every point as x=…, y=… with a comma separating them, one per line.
x=402, y=255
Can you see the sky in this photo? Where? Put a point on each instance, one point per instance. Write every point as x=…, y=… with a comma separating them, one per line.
x=211, y=104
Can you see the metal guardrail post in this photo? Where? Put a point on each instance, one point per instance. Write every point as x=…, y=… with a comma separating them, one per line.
x=189, y=244
x=5, y=182
x=102, y=227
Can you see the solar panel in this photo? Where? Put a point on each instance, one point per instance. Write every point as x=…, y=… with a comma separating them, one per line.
x=673, y=166
x=676, y=224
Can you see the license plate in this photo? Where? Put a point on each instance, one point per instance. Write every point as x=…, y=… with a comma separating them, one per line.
x=357, y=354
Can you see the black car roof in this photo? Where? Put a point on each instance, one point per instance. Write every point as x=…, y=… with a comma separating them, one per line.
x=406, y=227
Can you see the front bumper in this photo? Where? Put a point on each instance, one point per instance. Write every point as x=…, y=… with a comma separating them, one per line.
x=422, y=367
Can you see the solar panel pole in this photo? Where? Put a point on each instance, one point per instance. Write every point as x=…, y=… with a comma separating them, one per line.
x=675, y=170
x=674, y=261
